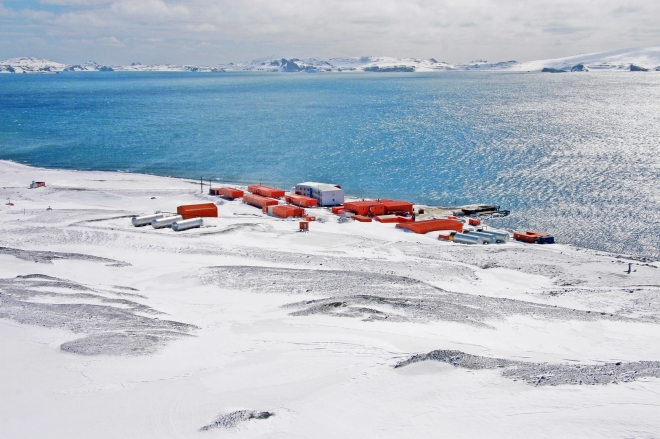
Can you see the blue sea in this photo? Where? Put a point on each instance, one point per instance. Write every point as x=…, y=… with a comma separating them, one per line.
x=576, y=155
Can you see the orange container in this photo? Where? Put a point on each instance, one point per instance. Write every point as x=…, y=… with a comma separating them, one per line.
x=189, y=211
x=265, y=191
x=528, y=236
x=227, y=192
x=309, y=218
x=301, y=201
x=285, y=211
x=445, y=236
x=474, y=221
x=378, y=209
x=336, y=209
x=304, y=226
x=393, y=219
x=432, y=226
x=361, y=218
x=258, y=201
x=360, y=207
x=452, y=217
x=398, y=207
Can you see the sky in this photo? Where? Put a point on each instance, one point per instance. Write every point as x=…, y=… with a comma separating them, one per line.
x=211, y=32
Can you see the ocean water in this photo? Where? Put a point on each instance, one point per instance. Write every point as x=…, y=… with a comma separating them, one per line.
x=575, y=155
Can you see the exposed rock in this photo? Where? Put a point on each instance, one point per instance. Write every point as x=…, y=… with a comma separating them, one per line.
x=579, y=68
x=389, y=69
x=231, y=420
x=634, y=68
x=545, y=374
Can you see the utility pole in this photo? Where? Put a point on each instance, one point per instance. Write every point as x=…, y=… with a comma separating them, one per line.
x=201, y=185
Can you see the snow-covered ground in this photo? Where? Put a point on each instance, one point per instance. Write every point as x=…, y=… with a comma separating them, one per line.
x=647, y=58
x=248, y=328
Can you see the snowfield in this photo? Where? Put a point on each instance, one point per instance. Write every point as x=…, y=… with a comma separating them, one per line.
x=248, y=328
x=639, y=59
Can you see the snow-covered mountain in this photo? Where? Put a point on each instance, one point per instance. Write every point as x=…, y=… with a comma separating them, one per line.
x=360, y=64
x=30, y=65
x=642, y=59
x=646, y=58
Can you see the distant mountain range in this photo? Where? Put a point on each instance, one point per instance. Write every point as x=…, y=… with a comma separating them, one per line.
x=643, y=59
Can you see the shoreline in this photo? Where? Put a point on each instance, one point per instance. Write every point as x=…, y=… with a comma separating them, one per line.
x=640, y=258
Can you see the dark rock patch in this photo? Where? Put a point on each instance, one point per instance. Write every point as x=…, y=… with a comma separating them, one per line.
x=545, y=374
x=231, y=420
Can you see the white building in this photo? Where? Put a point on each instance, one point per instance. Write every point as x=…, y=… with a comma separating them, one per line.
x=326, y=194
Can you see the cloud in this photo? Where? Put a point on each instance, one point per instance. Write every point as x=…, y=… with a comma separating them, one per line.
x=183, y=30
x=109, y=41
x=559, y=29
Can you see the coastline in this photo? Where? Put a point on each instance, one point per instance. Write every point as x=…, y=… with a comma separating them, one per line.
x=248, y=314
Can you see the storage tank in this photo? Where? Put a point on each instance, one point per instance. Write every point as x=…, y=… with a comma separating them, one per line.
x=165, y=222
x=501, y=237
x=462, y=238
x=139, y=221
x=178, y=226
x=491, y=239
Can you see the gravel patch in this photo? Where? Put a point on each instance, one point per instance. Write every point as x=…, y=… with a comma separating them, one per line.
x=231, y=420
x=112, y=325
x=545, y=374
x=378, y=296
x=47, y=257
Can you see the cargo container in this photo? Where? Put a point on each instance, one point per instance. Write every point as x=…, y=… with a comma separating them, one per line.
x=265, y=191
x=393, y=219
x=301, y=200
x=397, y=207
x=304, y=226
x=361, y=218
x=360, y=207
x=197, y=210
x=377, y=209
x=227, y=192
x=474, y=221
x=447, y=235
x=363, y=207
x=434, y=225
x=336, y=209
x=531, y=236
x=285, y=211
x=259, y=201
